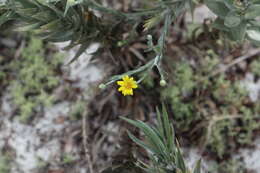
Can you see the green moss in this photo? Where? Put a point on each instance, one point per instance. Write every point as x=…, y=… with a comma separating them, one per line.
x=182, y=86
x=228, y=93
x=229, y=166
x=215, y=106
x=255, y=67
x=35, y=77
x=5, y=166
x=67, y=158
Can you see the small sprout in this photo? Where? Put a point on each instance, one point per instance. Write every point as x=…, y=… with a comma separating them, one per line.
x=149, y=37
x=120, y=43
x=102, y=86
x=127, y=85
x=163, y=83
x=67, y=158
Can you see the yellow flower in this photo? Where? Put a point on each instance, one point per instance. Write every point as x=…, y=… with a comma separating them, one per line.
x=127, y=85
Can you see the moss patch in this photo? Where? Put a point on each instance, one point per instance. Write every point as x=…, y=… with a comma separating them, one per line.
x=214, y=110
x=35, y=76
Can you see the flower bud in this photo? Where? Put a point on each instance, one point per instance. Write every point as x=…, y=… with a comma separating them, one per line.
x=102, y=86
x=163, y=83
x=120, y=43
x=149, y=37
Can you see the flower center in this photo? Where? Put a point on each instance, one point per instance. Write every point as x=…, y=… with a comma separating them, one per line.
x=128, y=85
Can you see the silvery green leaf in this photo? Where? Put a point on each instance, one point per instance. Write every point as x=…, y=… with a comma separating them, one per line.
x=71, y=3
x=253, y=11
x=28, y=27
x=197, y=168
x=232, y=19
x=218, y=7
x=180, y=161
x=219, y=24
x=254, y=35
x=152, y=138
x=229, y=4
x=6, y=17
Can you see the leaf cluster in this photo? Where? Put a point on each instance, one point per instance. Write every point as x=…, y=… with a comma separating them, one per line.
x=34, y=78
x=75, y=21
x=162, y=147
x=55, y=21
x=237, y=18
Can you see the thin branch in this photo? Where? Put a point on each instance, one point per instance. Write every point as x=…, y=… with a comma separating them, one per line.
x=85, y=142
x=251, y=53
x=137, y=54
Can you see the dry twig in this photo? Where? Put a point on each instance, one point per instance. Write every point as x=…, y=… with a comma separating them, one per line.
x=251, y=53
x=85, y=142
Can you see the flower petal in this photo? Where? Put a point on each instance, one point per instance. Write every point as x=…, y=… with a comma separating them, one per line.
x=124, y=92
x=135, y=85
x=121, y=83
x=131, y=92
x=128, y=92
x=121, y=89
x=125, y=78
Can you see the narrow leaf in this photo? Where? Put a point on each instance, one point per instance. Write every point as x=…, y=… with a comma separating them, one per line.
x=28, y=27
x=180, y=161
x=197, y=168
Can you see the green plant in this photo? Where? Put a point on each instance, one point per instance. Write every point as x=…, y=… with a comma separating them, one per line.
x=214, y=107
x=35, y=76
x=161, y=145
x=67, y=158
x=5, y=166
x=41, y=164
x=74, y=20
x=214, y=103
x=184, y=83
x=229, y=166
x=236, y=18
x=255, y=67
